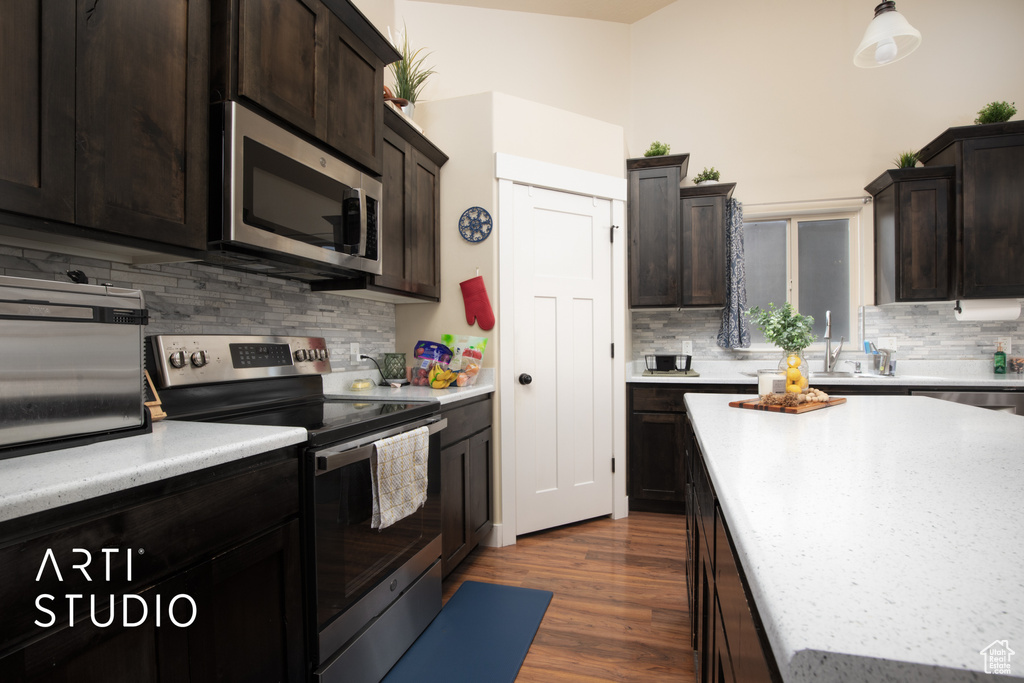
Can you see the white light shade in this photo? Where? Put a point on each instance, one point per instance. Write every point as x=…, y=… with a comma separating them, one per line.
x=886, y=30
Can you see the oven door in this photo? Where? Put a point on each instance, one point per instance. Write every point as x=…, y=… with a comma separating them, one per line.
x=294, y=201
x=360, y=571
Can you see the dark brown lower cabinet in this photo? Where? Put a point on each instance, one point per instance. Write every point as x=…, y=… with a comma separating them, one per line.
x=213, y=584
x=728, y=637
x=466, y=462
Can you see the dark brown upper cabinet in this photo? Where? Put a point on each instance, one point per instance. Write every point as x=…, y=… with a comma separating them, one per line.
x=653, y=195
x=314, y=64
x=676, y=236
x=914, y=251
x=106, y=121
x=37, y=119
x=410, y=235
x=143, y=119
x=702, y=214
x=989, y=211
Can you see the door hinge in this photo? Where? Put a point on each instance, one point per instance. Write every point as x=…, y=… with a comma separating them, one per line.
x=613, y=349
x=613, y=465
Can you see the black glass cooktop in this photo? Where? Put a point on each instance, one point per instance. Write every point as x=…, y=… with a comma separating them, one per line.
x=291, y=402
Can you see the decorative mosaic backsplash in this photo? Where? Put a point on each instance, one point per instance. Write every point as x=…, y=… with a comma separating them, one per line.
x=922, y=331
x=185, y=298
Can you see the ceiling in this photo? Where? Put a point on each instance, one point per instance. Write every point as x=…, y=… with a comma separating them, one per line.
x=621, y=11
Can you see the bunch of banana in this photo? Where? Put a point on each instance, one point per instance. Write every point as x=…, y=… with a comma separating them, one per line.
x=440, y=377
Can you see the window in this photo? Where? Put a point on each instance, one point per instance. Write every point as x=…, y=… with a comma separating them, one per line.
x=809, y=261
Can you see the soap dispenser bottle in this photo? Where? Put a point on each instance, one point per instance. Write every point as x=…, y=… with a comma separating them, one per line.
x=999, y=363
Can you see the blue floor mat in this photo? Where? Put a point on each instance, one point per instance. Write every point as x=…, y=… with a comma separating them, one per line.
x=482, y=635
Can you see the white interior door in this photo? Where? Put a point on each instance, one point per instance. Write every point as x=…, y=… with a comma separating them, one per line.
x=563, y=336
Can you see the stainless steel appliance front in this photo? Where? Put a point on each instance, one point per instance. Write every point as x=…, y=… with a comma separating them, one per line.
x=1005, y=401
x=289, y=208
x=376, y=590
x=71, y=364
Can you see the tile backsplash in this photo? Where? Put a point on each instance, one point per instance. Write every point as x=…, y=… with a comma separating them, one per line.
x=184, y=298
x=922, y=331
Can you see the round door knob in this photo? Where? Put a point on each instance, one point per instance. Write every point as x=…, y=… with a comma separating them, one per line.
x=177, y=359
x=525, y=379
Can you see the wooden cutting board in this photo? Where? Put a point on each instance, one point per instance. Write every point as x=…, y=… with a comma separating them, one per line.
x=753, y=404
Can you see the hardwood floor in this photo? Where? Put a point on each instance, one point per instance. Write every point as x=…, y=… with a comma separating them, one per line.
x=619, y=611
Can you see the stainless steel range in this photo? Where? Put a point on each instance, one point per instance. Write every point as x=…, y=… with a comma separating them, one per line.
x=369, y=593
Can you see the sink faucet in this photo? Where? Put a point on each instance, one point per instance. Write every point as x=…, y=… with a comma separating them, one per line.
x=831, y=359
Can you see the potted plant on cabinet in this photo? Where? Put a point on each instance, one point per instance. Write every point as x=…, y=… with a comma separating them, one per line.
x=906, y=160
x=409, y=73
x=657, y=149
x=792, y=333
x=707, y=176
x=996, y=112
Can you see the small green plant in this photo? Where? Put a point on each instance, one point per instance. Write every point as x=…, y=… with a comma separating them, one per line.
x=657, y=149
x=409, y=72
x=996, y=112
x=706, y=175
x=783, y=326
x=906, y=160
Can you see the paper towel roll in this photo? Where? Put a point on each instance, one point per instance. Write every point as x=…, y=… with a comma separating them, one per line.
x=987, y=309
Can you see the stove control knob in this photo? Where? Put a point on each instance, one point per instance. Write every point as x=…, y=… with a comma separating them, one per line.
x=300, y=355
x=199, y=359
x=318, y=354
x=177, y=359
x=324, y=352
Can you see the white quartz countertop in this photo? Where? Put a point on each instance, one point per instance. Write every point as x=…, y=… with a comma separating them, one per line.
x=883, y=538
x=908, y=373
x=33, y=483
x=337, y=385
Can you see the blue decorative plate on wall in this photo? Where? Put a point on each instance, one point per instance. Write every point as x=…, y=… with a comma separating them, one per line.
x=475, y=224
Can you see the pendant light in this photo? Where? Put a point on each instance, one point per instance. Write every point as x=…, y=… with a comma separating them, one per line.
x=889, y=38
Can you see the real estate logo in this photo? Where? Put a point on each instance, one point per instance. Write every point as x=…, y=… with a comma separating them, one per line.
x=997, y=657
x=135, y=610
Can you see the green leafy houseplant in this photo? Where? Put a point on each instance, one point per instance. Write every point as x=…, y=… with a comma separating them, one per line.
x=409, y=72
x=706, y=175
x=784, y=327
x=906, y=160
x=657, y=149
x=996, y=112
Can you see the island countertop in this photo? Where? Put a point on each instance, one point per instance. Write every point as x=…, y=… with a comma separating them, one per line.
x=882, y=539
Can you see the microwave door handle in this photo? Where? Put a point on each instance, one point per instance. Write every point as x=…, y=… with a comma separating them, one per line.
x=362, y=221
x=333, y=459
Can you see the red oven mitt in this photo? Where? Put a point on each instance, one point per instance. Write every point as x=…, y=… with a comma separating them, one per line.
x=478, y=306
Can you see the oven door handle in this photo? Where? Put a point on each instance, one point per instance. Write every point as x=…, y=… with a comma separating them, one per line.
x=348, y=453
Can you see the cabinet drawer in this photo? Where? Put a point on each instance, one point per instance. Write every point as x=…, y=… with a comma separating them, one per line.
x=163, y=534
x=466, y=419
x=659, y=399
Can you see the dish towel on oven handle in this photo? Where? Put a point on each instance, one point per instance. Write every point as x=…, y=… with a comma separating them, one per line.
x=398, y=476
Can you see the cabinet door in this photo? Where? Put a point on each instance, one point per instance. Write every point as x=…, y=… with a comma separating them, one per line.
x=282, y=59
x=455, y=541
x=923, y=224
x=113, y=653
x=143, y=119
x=37, y=119
x=721, y=661
x=478, y=489
x=424, y=238
x=355, y=113
x=657, y=477
x=993, y=217
x=654, y=237
x=703, y=251
x=249, y=604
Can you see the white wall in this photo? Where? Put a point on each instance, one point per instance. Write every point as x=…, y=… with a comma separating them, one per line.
x=578, y=65
x=766, y=91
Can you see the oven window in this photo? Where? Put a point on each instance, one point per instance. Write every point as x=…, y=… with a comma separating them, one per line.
x=287, y=198
x=352, y=558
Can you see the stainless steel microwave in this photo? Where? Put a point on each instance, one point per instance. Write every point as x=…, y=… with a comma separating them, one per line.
x=288, y=208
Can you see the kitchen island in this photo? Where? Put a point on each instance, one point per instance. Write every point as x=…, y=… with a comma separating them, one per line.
x=880, y=539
